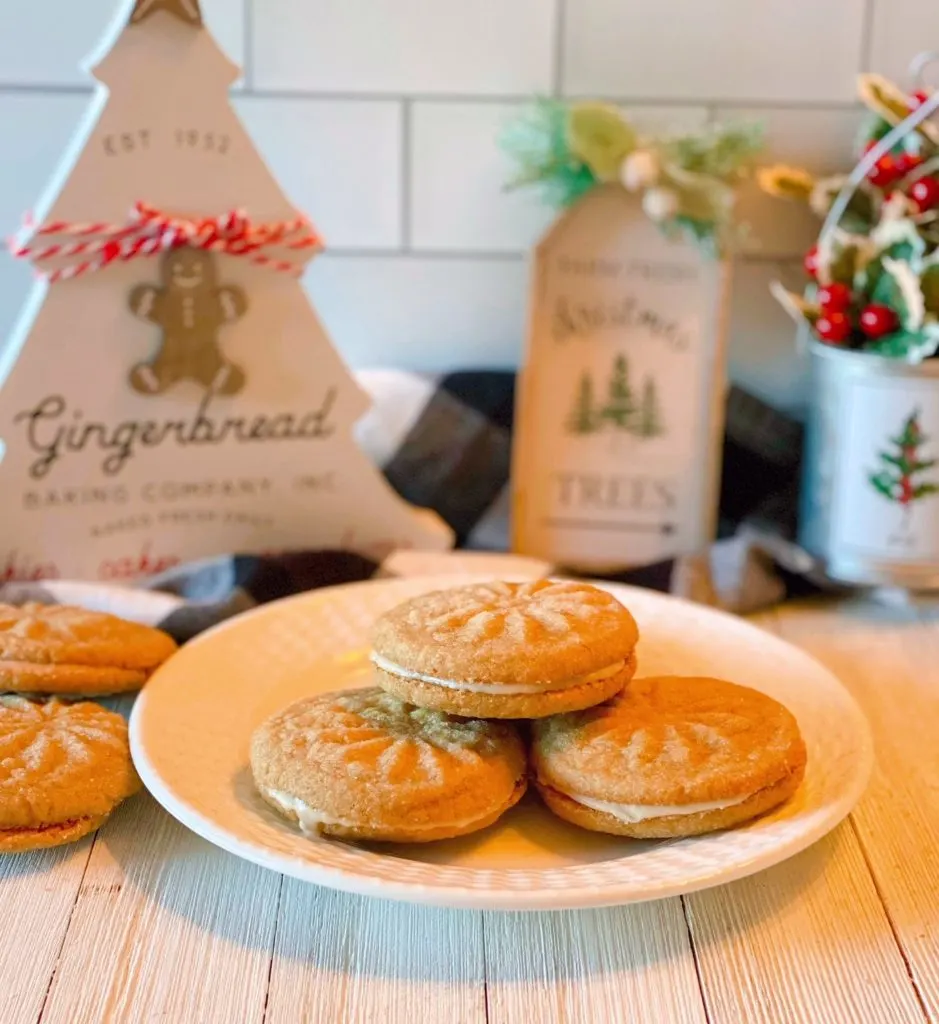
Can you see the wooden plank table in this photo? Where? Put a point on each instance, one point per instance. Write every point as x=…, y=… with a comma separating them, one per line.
x=147, y=922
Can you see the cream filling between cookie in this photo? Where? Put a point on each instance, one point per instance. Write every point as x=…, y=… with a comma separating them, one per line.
x=310, y=818
x=500, y=688
x=633, y=813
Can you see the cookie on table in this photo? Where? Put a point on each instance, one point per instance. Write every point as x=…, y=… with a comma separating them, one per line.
x=58, y=649
x=670, y=756
x=507, y=650
x=63, y=768
x=361, y=764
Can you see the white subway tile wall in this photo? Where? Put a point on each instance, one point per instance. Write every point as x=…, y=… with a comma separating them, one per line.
x=380, y=119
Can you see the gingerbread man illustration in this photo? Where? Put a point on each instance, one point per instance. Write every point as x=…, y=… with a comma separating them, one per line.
x=190, y=307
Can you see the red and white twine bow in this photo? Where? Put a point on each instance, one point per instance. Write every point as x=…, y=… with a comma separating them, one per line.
x=150, y=231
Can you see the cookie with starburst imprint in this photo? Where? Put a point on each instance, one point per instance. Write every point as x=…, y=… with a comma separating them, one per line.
x=670, y=756
x=63, y=770
x=362, y=764
x=507, y=650
x=74, y=652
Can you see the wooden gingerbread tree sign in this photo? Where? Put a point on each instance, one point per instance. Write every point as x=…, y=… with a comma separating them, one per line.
x=169, y=392
x=620, y=405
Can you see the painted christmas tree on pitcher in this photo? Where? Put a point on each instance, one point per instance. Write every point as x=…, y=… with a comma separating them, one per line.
x=900, y=478
x=169, y=392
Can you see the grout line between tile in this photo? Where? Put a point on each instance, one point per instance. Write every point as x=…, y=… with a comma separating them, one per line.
x=510, y=255
x=867, y=35
x=480, y=256
x=664, y=102
x=560, y=26
x=406, y=171
x=247, y=47
x=40, y=89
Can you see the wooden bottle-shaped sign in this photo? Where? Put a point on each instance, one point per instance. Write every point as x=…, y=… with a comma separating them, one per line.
x=620, y=410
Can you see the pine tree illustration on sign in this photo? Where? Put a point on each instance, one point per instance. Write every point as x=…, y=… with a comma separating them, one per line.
x=583, y=418
x=620, y=407
x=650, y=415
x=621, y=412
x=895, y=480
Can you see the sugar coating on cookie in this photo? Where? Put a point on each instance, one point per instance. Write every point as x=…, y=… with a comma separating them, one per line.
x=511, y=650
x=62, y=649
x=63, y=769
x=363, y=764
x=669, y=756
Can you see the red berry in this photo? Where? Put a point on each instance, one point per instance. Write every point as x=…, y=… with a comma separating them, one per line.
x=878, y=320
x=810, y=262
x=907, y=161
x=834, y=327
x=834, y=298
x=885, y=172
x=925, y=192
x=918, y=98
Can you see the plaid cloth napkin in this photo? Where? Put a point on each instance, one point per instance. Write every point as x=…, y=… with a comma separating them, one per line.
x=444, y=443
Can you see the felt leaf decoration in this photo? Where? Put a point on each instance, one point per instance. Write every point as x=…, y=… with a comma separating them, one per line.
x=843, y=266
x=862, y=209
x=912, y=346
x=701, y=198
x=929, y=285
x=537, y=142
x=867, y=276
x=897, y=236
x=600, y=137
x=913, y=308
x=786, y=182
x=724, y=151
x=841, y=255
x=890, y=103
x=566, y=152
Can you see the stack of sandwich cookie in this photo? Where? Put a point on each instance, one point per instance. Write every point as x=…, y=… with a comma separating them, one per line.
x=57, y=649
x=63, y=770
x=670, y=756
x=507, y=650
x=645, y=758
x=362, y=764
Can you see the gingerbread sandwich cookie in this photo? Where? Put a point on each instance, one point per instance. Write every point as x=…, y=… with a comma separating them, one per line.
x=58, y=649
x=507, y=650
x=670, y=756
x=362, y=764
x=63, y=770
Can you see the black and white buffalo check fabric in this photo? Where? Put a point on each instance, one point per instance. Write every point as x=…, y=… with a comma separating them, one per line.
x=444, y=443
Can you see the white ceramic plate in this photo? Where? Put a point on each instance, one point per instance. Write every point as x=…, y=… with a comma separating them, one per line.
x=190, y=731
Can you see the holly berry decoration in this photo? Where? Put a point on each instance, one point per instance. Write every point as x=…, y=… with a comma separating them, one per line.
x=834, y=298
x=886, y=171
x=877, y=320
x=925, y=192
x=833, y=327
x=906, y=162
x=811, y=263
